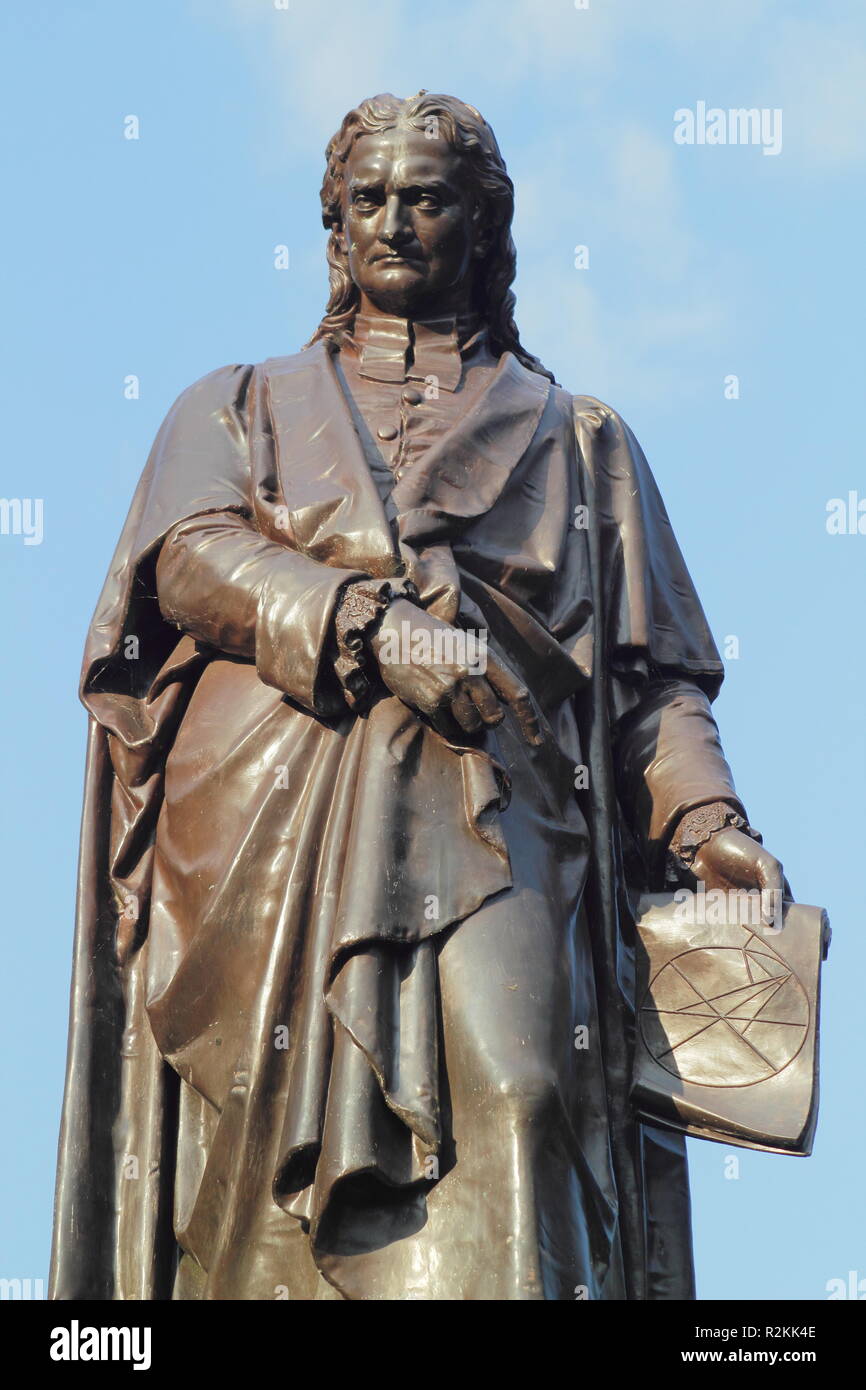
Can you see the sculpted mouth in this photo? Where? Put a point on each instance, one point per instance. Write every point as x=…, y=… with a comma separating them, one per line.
x=395, y=259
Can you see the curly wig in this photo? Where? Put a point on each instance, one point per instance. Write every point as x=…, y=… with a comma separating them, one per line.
x=471, y=137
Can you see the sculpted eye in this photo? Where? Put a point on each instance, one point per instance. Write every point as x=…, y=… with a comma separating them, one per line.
x=426, y=198
x=364, y=201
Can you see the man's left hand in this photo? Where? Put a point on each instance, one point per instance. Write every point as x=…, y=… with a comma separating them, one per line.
x=731, y=860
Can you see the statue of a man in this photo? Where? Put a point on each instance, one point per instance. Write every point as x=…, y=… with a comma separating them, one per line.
x=399, y=693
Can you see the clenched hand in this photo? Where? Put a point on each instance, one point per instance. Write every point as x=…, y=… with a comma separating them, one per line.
x=446, y=692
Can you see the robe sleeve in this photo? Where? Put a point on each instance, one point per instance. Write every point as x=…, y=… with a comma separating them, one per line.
x=225, y=584
x=199, y=464
x=669, y=760
x=192, y=558
x=664, y=668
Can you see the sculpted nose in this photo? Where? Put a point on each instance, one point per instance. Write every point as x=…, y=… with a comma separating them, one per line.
x=395, y=230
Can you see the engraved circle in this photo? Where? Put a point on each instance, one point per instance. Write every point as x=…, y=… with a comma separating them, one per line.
x=724, y=1016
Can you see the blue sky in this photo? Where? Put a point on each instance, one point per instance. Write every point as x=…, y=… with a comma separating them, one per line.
x=155, y=257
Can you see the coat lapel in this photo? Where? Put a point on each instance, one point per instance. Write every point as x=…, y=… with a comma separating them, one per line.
x=335, y=512
x=334, y=507
x=463, y=473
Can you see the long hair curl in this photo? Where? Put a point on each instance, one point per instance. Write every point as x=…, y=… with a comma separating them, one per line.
x=471, y=137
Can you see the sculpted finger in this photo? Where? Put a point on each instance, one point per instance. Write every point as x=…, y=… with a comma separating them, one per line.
x=527, y=717
x=465, y=712
x=518, y=698
x=771, y=879
x=485, y=701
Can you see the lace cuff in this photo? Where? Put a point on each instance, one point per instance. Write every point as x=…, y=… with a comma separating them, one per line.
x=693, y=831
x=358, y=614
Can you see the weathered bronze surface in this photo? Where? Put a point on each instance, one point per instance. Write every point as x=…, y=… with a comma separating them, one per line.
x=353, y=1000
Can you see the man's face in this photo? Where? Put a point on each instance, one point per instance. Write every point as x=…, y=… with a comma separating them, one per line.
x=408, y=225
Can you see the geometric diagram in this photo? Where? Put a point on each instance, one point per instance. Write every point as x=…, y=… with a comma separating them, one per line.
x=725, y=1016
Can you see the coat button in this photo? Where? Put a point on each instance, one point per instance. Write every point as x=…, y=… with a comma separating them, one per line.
x=411, y=396
x=387, y=432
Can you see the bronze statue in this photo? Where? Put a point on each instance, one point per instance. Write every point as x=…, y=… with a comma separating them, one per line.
x=399, y=697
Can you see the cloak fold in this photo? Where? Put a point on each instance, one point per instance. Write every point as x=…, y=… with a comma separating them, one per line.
x=257, y=491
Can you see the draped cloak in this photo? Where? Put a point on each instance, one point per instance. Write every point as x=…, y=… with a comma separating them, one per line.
x=260, y=1098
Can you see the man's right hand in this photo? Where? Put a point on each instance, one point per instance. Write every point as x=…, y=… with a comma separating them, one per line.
x=448, y=693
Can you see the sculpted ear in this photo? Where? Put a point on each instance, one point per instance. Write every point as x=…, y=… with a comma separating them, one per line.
x=482, y=234
x=336, y=225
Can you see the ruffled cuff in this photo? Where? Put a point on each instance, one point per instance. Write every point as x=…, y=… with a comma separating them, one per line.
x=359, y=612
x=693, y=831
